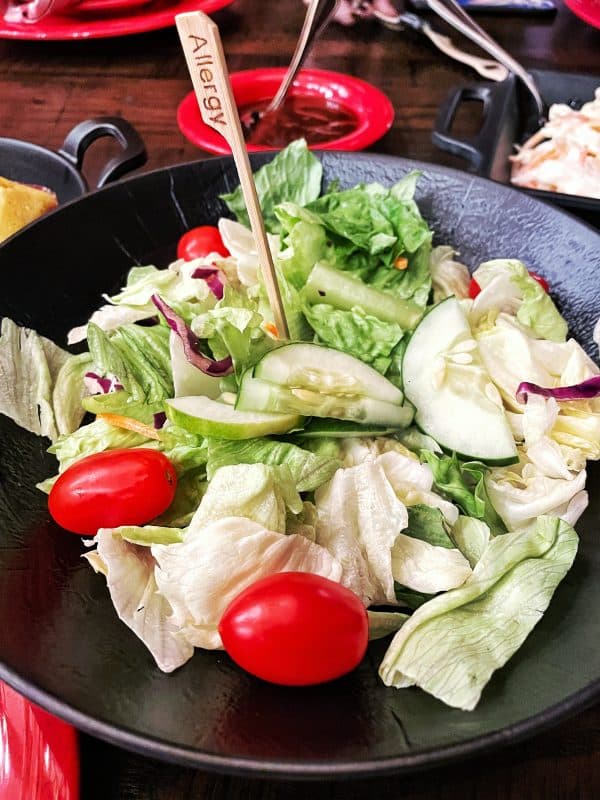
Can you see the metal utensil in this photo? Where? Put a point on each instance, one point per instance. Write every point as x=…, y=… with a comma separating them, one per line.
x=318, y=14
x=457, y=17
x=491, y=70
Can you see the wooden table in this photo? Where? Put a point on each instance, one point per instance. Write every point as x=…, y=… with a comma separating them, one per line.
x=46, y=88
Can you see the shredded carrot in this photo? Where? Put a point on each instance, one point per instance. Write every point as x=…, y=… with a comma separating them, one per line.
x=130, y=424
x=401, y=263
x=270, y=328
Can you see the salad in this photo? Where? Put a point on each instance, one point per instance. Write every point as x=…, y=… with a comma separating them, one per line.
x=418, y=448
x=563, y=156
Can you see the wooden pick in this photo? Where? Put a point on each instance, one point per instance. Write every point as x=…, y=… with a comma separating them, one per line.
x=203, y=51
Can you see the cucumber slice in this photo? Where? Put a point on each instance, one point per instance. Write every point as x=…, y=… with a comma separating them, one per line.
x=188, y=379
x=456, y=402
x=260, y=395
x=343, y=429
x=328, y=285
x=211, y=418
x=322, y=369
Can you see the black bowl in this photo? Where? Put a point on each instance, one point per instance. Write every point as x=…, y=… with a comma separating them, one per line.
x=61, y=643
x=29, y=163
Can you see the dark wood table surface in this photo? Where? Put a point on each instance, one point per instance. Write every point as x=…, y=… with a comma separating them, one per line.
x=47, y=87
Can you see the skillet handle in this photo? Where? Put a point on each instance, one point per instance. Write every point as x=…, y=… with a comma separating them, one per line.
x=81, y=137
x=477, y=150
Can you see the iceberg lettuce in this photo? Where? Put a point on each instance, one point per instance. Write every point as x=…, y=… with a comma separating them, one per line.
x=36, y=379
x=448, y=276
x=255, y=491
x=200, y=576
x=129, y=571
x=452, y=644
x=506, y=285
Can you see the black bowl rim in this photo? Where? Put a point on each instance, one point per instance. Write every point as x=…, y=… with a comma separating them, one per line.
x=52, y=155
x=157, y=748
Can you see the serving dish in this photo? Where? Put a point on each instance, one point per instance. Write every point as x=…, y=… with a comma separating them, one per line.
x=40, y=756
x=160, y=14
x=61, y=171
x=508, y=118
x=62, y=644
x=373, y=110
x=587, y=10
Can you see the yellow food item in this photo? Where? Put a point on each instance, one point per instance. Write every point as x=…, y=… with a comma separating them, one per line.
x=21, y=204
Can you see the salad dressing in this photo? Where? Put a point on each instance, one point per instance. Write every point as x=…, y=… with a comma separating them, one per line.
x=316, y=119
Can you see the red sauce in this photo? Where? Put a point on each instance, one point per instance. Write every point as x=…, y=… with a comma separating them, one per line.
x=315, y=119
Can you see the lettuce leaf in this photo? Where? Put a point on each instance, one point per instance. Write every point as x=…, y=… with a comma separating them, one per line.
x=463, y=483
x=254, y=491
x=384, y=623
x=356, y=333
x=472, y=536
x=506, y=285
x=30, y=369
x=200, y=576
x=140, y=358
x=452, y=644
x=129, y=571
x=359, y=517
x=294, y=175
x=95, y=437
x=427, y=524
x=427, y=568
x=234, y=327
x=448, y=276
x=308, y=470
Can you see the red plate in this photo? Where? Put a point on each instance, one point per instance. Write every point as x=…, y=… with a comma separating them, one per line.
x=587, y=10
x=39, y=754
x=372, y=108
x=160, y=14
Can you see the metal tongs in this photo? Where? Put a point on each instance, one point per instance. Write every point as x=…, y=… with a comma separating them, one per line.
x=457, y=17
x=491, y=70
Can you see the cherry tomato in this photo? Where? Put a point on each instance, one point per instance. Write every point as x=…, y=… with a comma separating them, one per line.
x=475, y=288
x=200, y=242
x=295, y=629
x=117, y=487
x=542, y=281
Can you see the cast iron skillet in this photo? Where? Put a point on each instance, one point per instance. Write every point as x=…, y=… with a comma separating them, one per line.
x=61, y=643
x=508, y=118
x=61, y=171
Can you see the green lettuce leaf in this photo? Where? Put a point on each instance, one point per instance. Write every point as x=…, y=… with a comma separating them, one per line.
x=356, y=333
x=427, y=523
x=308, y=470
x=294, y=175
x=463, y=484
x=305, y=242
x=384, y=623
x=147, y=535
x=140, y=358
x=234, y=327
x=409, y=598
x=451, y=645
x=184, y=450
